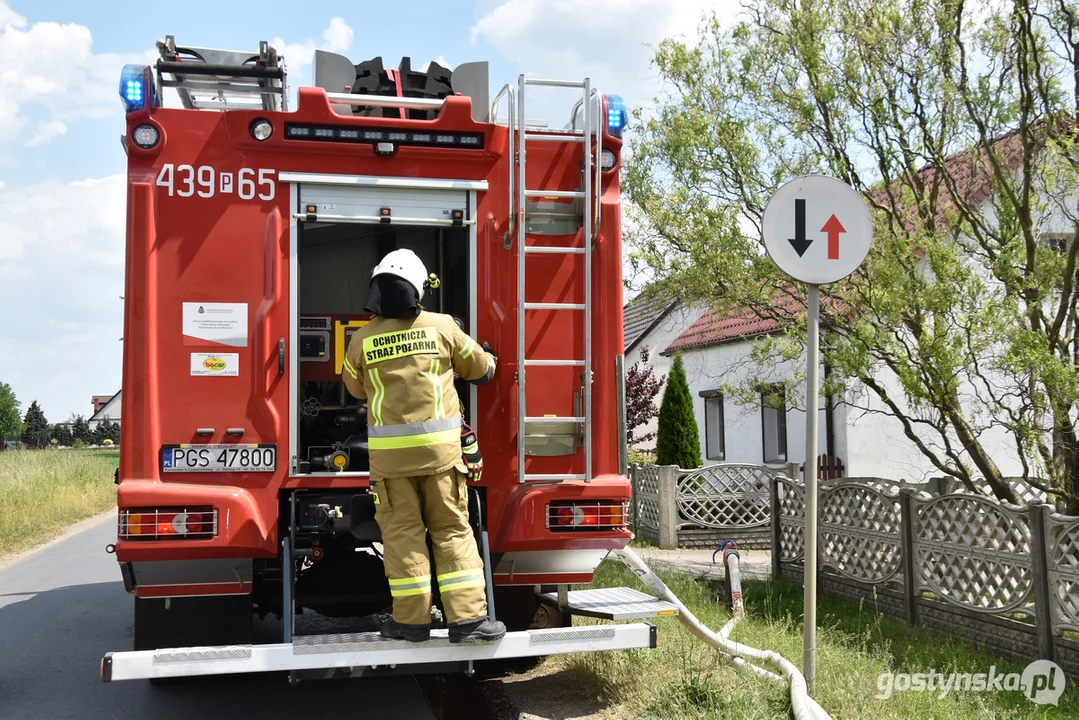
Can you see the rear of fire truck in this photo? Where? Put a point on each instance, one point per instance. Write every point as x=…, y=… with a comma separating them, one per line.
x=252, y=230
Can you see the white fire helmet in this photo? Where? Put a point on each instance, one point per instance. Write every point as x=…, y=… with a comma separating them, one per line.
x=404, y=264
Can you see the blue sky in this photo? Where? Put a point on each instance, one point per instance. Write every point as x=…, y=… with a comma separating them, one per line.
x=61, y=164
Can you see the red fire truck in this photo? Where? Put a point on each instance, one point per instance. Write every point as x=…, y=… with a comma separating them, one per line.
x=252, y=230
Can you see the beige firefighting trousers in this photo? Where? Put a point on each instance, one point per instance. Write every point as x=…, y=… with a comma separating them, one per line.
x=439, y=503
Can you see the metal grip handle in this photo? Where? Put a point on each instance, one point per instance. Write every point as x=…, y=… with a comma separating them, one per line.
x=281, y=356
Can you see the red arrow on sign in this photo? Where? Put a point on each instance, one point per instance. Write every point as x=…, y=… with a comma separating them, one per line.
x=833, y=227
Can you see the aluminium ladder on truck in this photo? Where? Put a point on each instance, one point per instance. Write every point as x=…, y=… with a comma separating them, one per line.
x=583, y=218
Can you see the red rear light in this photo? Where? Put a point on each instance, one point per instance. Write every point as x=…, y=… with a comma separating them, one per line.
x=586, y=515
x=563, y=516
x=168, y=523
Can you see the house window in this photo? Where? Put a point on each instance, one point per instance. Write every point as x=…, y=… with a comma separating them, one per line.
x=714, y=441
x=774, y=423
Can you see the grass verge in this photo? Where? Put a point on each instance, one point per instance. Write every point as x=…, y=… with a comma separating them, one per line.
x=44, y=491
x=683, y=678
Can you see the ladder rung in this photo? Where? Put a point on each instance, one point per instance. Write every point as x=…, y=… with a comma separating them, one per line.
x=554, y=363
x=555, y=83
x=555, y=250
x=552, y=420
x=533, y=476
x=555, y=194
x=555, y=306
x=545, y=137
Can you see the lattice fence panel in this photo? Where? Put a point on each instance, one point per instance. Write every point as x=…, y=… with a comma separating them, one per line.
x=648, y=496
x=792, y=513
x=725, y=496
x=860, y=533
x=974, y=553
x=1063, y=554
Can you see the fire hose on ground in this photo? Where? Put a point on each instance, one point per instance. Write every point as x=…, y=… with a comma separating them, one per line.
x=742, y=656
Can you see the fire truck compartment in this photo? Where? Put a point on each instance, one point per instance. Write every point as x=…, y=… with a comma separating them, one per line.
x=336, y=258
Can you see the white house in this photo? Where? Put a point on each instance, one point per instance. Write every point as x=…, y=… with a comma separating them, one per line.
x=107, y=410
x=653, y=323
x=771, y=430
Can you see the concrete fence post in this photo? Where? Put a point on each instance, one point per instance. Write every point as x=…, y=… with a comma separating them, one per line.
x=1039, y=554
x=668, y=507
x=906, y=544
x=773, y=484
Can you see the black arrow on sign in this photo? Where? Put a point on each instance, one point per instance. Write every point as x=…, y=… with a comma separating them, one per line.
x=799, y=242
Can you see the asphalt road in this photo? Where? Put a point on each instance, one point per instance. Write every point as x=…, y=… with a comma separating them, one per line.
x=64, y=607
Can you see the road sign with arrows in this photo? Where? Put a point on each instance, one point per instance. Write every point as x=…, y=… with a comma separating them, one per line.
x=817, y=229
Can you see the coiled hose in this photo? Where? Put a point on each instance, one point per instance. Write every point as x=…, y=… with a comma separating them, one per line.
x=803, y=706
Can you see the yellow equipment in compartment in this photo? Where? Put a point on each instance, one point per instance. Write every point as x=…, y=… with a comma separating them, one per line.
x=342, y=333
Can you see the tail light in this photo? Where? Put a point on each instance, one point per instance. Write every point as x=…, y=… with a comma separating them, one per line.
x=575, y=515
x=168, y=523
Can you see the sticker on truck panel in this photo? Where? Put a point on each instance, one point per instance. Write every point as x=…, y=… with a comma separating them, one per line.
x=215, y=323
x=205, y=181
x=215, y=364
x=233, y=457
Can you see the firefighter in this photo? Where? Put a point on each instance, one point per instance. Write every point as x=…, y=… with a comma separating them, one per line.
x=421, y=454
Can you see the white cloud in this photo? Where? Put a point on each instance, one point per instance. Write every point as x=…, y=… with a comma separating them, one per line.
x=9, y=17
x=51, y=75
x=61, y=278
x=337, y=37
x=45, y=131
x=605, y=40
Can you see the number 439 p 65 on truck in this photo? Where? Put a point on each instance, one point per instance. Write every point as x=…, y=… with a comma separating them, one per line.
x=252, y=231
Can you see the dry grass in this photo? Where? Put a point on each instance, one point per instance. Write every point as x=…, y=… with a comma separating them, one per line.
x=44, y=491
x=682, y=678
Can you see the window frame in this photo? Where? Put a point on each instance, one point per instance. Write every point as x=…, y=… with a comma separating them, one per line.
x=781, y=444
x=708, y=396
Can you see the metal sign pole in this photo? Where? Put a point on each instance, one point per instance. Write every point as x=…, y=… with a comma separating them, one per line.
x=809, y=621
x=815, y=257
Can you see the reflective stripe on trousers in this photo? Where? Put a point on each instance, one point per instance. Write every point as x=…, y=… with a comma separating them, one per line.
x=407, y=586
x=460, y=580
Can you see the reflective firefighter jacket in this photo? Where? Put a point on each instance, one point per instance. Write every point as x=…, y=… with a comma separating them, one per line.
x=404, y=368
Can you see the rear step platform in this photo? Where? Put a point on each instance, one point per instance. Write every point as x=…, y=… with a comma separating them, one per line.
x=613, y=604
x=367, y=650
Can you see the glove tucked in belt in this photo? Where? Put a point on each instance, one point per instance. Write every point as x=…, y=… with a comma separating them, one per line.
x=470, y=453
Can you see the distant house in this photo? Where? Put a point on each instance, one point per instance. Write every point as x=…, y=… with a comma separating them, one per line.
x=653, y=321
x=106, y=407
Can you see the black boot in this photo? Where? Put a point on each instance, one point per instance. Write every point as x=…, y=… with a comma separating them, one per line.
x=482, y=630
x=413, y=633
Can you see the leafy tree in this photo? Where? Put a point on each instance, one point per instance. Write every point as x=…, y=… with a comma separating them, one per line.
x=957, y=124
x=62, y=434
x=677, y=441
x=10, y=418
x=106, y=430
x=35, y=427
x=81, y=429
x=642, y=387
